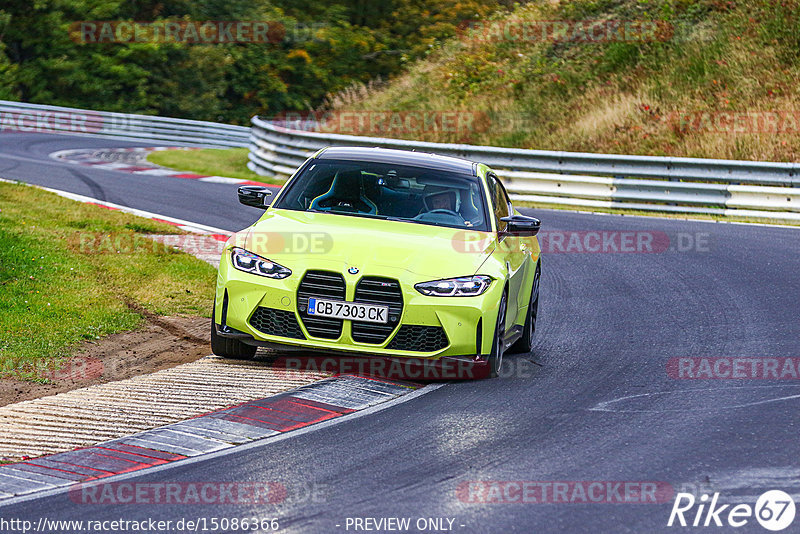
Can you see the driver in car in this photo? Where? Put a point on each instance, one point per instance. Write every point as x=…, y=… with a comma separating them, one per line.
x=441, y=200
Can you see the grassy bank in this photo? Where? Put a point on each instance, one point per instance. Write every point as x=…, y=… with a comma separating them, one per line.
x=230, y=162
x=716, y=79
x=71, y=272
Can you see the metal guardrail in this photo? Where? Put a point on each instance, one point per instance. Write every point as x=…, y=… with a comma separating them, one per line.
x=680, y=185
x=24, y=117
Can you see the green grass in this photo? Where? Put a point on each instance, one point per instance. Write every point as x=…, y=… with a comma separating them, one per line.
x=733, y=56
x=71, y=272
x=230, y=162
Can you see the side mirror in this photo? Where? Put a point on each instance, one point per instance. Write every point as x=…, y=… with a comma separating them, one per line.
x=255, y=195
x=522, y=225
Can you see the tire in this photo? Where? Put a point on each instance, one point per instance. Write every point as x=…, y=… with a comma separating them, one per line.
x=525, y=343
x=496, y=356
x=229, y=348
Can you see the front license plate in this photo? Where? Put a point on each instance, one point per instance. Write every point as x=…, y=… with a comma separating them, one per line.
x=348, y=310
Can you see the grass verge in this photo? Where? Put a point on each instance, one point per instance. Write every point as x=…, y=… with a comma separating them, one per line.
x=230, y=162
x=71, y=272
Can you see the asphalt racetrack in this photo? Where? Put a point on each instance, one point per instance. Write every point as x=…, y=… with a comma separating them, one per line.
x=609, y=394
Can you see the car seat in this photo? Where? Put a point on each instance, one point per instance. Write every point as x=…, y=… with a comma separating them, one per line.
x=346, y=194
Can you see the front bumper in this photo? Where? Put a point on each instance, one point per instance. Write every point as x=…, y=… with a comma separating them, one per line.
x=467, y=322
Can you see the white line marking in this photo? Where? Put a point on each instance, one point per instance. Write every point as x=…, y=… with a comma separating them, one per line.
x=605, y=406
x=186, y=225
x=221, y=180
x=157, y=172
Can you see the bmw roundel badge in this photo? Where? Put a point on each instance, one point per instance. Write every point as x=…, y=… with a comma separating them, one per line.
x=352, y=270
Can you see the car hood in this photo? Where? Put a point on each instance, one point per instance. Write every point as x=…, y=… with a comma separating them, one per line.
x=307, y=240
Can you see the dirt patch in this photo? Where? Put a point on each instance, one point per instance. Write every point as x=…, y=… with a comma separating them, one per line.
x=163, y=343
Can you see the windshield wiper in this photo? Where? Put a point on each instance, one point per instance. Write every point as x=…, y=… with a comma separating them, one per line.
x=402, y=219
x=334, y=211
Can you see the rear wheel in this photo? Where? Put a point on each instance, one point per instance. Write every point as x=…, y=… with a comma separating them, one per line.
x=229, y=348
x=525, y=343
x=498, y=344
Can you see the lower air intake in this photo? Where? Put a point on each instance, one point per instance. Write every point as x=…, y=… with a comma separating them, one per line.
x=418, y=338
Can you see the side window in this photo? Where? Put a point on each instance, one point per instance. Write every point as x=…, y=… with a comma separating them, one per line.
x=500, y=203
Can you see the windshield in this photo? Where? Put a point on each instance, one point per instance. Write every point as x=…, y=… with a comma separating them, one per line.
x=388, y=191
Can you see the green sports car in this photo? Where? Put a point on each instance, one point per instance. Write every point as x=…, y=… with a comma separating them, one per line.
x=381, y=252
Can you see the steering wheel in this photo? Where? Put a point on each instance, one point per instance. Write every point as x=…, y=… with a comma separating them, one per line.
x=446, y=212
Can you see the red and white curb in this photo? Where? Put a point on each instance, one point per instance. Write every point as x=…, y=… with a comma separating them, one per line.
x=318, y=402
x=134, y=161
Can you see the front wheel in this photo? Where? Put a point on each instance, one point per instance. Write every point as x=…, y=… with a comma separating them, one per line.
x=498, y=343
x=229, y=348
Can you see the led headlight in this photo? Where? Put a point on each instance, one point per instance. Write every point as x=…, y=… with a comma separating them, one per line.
x=468, y=286
x=253, y=264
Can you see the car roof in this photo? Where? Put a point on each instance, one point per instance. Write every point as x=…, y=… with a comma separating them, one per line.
x=401, y=157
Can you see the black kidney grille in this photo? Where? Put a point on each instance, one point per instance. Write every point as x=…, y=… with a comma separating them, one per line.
x=382, y=291
x=326, y=285
x=419, y=338
x=276, y=323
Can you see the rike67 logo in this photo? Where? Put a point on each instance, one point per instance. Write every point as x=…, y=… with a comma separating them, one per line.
x=774, y=510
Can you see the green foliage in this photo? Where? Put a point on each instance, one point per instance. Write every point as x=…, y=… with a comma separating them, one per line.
x=712, y=57
x=327, y=47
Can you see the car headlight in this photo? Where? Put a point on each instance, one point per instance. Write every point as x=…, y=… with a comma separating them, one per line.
x=468, y=286
x=253, y=264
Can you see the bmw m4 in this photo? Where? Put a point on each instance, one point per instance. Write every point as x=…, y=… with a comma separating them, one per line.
x=381, y=252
